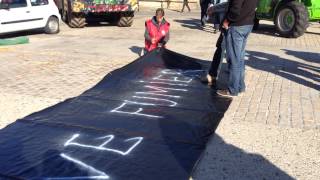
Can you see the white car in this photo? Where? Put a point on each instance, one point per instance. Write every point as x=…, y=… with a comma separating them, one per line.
x=21, y=15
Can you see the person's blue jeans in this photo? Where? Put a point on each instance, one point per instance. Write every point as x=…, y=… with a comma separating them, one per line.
x=236, y=42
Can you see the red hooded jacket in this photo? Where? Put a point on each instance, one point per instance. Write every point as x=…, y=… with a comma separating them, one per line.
x=160, y=32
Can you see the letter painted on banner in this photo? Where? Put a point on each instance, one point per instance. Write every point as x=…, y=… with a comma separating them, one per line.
x=168, y=102
x=109, y=138
x=137, y=112
x=173, y=79
x=182, y=72
x=159, y=91
x=90, y=169
x=94, y=172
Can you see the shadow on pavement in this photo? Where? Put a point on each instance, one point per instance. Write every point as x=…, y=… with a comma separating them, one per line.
x=193, y=23
x=137, y=50
x=301, y=73
x=306, y=56
x=266, y=29
x=99, y=24
x=270, y=30
x=22, y=33
x=226, y=161
x=309, y=32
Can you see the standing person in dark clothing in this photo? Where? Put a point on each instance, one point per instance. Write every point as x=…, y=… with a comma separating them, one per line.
x=185, y=4
x=204, y=6
x=217, y=59
x=219, y=54
x=239, y=23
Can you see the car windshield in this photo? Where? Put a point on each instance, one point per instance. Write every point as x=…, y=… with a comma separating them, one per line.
x=39, y=2
x=15, y=3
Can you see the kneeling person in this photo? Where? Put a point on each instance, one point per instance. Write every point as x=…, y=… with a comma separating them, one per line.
x=157, y=31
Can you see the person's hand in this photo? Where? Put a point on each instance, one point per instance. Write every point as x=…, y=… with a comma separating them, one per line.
x=153, y=40
x=225, y=24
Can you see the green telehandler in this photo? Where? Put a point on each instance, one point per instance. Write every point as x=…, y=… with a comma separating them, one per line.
x=291, y=17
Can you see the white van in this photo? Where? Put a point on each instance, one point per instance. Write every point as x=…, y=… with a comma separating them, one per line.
x=21, y=15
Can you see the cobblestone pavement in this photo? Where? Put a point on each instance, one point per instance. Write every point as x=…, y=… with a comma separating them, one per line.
x=283, y=89
x=269, y=132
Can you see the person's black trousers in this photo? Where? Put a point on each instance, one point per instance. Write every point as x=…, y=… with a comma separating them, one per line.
x=204, y=6
x=217, y=57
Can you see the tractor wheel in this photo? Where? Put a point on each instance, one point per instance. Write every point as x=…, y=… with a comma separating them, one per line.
x=76, y=20
x=292, y=19
x=125, y=19
x=52, y=26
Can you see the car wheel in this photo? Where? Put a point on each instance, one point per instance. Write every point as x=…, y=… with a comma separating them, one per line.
x=52, y=26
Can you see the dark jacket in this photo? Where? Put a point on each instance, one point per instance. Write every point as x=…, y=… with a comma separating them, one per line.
x=241, y=12
x=220, y=7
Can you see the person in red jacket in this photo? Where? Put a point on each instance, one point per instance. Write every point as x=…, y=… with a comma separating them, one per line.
x=157, y=31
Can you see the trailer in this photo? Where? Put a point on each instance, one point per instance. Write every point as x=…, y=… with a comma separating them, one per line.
x=77, y=13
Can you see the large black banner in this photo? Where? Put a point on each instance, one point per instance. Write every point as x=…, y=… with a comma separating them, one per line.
x=148, y=120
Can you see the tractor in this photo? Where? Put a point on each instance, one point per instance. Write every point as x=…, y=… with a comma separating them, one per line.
x=291, y=17
x=77, y=13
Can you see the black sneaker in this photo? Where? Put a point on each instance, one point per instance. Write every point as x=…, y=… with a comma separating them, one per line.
x=225, y=93
x=203, y=21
